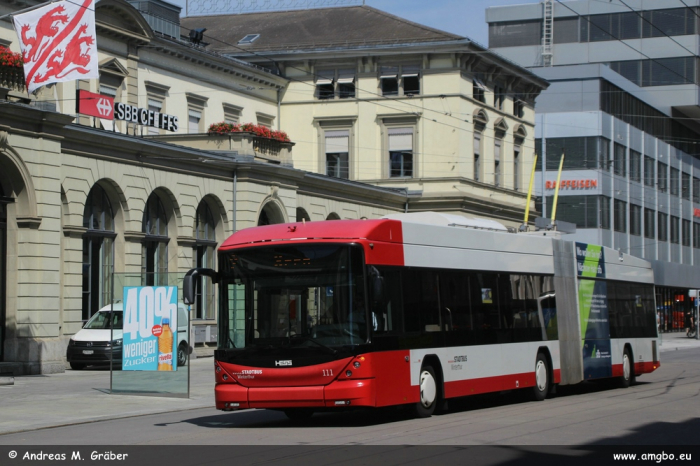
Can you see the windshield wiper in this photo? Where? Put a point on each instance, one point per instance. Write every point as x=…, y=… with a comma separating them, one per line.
x=307, y=338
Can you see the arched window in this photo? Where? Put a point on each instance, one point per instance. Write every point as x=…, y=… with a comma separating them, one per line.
x=302, y=215
x=98, y=251
x=518, y=141
x=500, y=129
x=154, y=253
x=270, y=215
x=480, y=120
x=204, y=255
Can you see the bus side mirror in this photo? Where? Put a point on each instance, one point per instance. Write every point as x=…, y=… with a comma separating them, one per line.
x=188, y=291
x=189, y=283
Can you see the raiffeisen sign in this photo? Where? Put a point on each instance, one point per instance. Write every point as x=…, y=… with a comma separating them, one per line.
x=572, y=184
x=145, y=117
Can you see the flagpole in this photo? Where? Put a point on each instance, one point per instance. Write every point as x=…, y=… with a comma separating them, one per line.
x=28, y=9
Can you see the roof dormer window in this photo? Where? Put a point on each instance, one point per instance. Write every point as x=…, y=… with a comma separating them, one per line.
x=248, y=39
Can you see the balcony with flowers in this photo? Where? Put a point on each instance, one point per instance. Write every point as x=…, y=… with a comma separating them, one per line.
x=11, y=72
x=266, y=143
x=243, y=141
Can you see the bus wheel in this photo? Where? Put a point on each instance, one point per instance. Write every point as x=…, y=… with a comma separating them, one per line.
x=541, y=388
x=428, y=393
x=298, y=414
x=627, y=378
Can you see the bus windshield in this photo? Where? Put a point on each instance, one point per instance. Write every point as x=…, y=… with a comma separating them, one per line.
x=310, y=295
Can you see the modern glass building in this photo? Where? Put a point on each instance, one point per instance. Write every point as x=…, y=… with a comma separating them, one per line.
x=622, y=105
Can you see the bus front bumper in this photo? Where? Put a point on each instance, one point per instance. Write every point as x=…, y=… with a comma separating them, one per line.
x=338, y=394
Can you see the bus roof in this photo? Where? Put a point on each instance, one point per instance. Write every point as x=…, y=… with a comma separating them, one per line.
x=376, y=230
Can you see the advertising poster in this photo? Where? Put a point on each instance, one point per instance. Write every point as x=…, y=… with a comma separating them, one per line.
x=150, y=328
x=593, y=306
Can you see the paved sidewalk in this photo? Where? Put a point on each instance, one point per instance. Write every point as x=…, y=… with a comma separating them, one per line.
x=72, y=397
x=676, y=341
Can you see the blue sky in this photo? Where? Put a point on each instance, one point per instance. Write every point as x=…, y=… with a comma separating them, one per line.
x=463, y=17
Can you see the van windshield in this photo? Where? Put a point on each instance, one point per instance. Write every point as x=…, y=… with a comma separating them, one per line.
x=101, y=320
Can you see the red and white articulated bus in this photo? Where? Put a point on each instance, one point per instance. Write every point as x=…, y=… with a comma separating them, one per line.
x=415, y=309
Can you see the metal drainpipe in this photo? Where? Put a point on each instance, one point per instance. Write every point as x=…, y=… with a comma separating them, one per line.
x=235, y=187
x=279, y=109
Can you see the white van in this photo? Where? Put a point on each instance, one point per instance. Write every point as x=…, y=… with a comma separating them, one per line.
x=93, y=343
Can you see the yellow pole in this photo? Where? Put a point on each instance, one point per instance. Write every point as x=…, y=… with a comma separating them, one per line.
x=529, y=191
x=556, y=189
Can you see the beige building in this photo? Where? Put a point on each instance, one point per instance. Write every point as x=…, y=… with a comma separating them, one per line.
x=83, y=200
x=378, y=99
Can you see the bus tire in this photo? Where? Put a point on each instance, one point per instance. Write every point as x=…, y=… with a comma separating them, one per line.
x=541, y=388
x=428, y=392
x=298, y=414
x=627, y=378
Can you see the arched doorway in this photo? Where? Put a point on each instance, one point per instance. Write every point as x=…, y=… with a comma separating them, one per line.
x=3, y=265
x=98, y=251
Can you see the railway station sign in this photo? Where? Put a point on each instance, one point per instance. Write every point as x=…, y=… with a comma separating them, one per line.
x=97, y=105
x=103, y=106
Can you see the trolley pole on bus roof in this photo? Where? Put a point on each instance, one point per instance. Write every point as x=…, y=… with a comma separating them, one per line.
x=556, y=191
x=523, y=227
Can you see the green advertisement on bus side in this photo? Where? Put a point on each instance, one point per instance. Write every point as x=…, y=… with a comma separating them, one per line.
x=594, y=314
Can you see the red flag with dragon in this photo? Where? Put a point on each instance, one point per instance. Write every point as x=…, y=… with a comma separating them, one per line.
x=58, y=43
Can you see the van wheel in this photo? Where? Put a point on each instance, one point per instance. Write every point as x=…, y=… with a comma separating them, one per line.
x=76, y=366
x=182, y=354
x=428, y=393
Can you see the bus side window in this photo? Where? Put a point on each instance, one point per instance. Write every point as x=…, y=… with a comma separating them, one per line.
x=387, y=311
